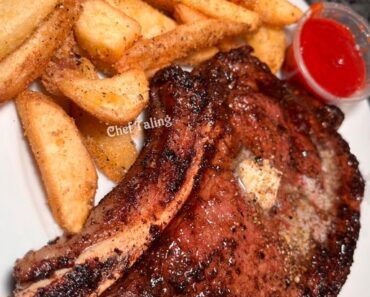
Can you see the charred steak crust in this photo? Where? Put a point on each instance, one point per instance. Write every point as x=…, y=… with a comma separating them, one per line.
x=129, y=218
x=222, y=242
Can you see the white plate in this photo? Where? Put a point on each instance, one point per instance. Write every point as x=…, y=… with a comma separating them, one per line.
x=26, y=222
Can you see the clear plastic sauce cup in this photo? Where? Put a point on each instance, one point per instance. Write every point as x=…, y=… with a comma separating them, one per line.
x=333, y=60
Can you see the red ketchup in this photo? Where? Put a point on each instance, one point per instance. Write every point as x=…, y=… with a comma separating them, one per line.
x=331, y=58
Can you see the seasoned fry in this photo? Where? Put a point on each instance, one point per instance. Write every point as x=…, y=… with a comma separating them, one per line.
x=186, y=15
x=222, y=9
x=113, y=153
x=269, y=46
x=19, y=19
x=67, y=170
x=115, y=100
x=273, y=12
x=68, y=56
x=152, y=21
x=176, y=44
x=104, y=31
x=278, y=12
x=27, y=63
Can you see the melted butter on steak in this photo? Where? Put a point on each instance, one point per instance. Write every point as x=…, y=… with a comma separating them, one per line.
x=260, y=178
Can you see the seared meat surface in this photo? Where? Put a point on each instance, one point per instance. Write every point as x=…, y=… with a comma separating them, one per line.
x=226, y=241
x=127, y=220
x=262, y=191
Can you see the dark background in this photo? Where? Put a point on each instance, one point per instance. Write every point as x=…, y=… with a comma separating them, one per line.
x=360, y=6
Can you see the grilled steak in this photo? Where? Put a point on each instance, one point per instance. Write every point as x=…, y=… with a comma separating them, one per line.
x=122, y=226
x=272, y=190
x=276, y=212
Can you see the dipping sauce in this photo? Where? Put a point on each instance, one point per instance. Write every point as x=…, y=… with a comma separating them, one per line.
x=331, y=58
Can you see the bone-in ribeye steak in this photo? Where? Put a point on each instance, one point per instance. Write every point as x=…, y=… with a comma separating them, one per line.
x=127, y=220
x=274, y=206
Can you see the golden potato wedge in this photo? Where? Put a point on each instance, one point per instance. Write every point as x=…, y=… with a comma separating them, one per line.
x=160, y=51
x=19, y=19
x=28, y=62
x=273, y=12
x=269, y=46
x=66, y=167
x=278, y=12
x=186, y=15
x=222, y=9
x=152, y=21
x=113, y=153
x=115, y=100
x=104, y=31
x=68, y=56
